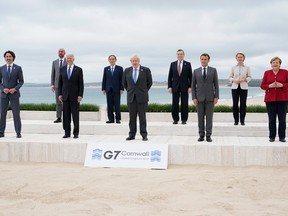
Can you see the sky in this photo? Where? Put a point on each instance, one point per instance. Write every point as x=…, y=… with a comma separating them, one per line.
x=152, y=29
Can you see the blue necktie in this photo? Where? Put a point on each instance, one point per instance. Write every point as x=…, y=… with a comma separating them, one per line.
x=9, y=71
x=204, y=73
x=69, y=72
x=135, y=75
x=112, y=71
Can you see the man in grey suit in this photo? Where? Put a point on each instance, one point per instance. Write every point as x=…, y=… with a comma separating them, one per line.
x=137, y=80
x=205, y=94
x=55, y=73
x=11, y=80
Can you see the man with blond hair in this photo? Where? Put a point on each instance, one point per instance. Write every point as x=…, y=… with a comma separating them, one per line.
x=137, y=80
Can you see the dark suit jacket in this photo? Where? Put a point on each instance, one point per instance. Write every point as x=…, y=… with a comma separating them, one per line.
x=114, y=82
x=141, y=87
x=14, y=81
x=71, y=88
x=207, y=89
x=185, y=79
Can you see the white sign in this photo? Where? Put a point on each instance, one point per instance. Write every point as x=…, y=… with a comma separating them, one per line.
x=133, y=155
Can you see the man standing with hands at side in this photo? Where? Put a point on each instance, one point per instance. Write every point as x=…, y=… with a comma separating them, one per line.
x=71, y=88
x=113, y=88
x=55, y=73
x=137, y=80
x=179, y=85
x=205, y=94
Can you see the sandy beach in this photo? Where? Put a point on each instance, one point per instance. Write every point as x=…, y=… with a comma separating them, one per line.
x=65, y=189
x=70, y=189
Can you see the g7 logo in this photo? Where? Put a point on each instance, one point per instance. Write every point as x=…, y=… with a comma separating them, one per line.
x=109, y=154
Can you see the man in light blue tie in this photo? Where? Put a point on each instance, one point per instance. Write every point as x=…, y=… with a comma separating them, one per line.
x=137, y=80
x=11, y=80
x=71, y=89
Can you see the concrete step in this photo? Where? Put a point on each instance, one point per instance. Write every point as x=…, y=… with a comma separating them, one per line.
x=151, y=117
x=251, y=129
x=223, y=151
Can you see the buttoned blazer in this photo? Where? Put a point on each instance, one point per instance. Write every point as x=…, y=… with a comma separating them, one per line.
x=275, y=94
x=112, y=82
x=138, y=90
x=205, y=89
x=184, y=80
x=15, y=80
x=73, y=87
x=55, y=71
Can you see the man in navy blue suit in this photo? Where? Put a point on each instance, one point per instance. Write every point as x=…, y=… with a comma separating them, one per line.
x=113, y=88
x=70, y=90
x=11, y=80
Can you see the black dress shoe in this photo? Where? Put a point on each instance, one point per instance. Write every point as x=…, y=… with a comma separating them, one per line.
x=109, y=122
x=282, y=140
x=66, y=136
x=58, y=120
x=201, y=138
x=145, y=138
x=242, y=123
x=1, y=135
x=18, y=135
x=130, y=138
x=183, y=122
x=175, y=122
x=118, y=121
x=75, y=136
x=271, y=140
x=208, y=139
x=235, y=123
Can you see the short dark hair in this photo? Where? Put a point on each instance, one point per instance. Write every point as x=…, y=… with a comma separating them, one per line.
x=181, y=50
x=206, y=55
x=112, y=56
x=10, y=52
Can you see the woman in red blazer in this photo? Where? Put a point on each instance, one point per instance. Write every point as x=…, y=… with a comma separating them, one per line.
x=275, y=84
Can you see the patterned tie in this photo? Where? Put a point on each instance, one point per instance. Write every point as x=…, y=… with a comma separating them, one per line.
x=69, y=73
x=9, y=71
x=61, y=61
x=204, y=73
x=135, y=75
x=179, y=68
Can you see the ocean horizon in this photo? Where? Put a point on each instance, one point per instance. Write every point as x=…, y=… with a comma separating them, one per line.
x=93, y=95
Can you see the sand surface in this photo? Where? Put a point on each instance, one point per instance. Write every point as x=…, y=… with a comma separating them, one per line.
x=42, y=189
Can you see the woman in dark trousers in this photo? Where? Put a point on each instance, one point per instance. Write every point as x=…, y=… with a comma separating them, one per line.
x=239, y=76
x=275, y=84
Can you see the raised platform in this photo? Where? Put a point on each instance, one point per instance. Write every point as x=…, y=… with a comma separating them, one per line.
x=232, y=145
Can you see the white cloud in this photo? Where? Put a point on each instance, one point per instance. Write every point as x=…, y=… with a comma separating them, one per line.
x=153, y=29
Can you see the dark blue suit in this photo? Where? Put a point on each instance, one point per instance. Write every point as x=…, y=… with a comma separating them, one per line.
x=15, y=80
x=70, y=89
x=112, y=84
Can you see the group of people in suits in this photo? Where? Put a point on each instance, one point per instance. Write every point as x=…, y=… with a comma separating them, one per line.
x=203, y=83
x=68, y=85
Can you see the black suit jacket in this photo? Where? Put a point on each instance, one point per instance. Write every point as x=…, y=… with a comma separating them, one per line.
x=71, y=89
x=114, y=82
x=182, y=82
x=141, y=87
